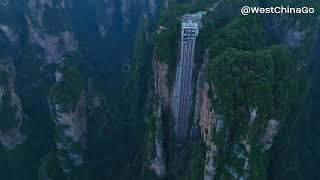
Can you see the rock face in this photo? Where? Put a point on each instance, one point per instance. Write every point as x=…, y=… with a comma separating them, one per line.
x=10, y=33
x=208, y=121
x=109, y=11
x=105, y=16
x=130, y=7
x=68, y=103
x=71, y=125
x=158, y=104
x=204, y=114
x=152, y=6
x=206, y=118
x=270, y=133
x=241, y=132
x=55, y=40
x=158, y=160
x=39, y=35
x=288, y=30
x=10, y=108
x=125, y=11
x=161, y=82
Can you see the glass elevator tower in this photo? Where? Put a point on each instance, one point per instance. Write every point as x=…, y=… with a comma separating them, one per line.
x=190, y=26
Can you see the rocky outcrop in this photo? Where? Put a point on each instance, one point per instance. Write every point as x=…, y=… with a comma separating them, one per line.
x=54, y=44
x=126, y=9
x=12, y=36
x=152, y=6
x=289, y=30
x=129, y=10
x=160, y=71
x=203, y=112
x=71, y=129
x=157, y=161
x=11, y=107
x=270, y=133
x=207, y=122
x=74, y=121
x=105, y=16
x=158, y=104
x=206, y=118
x=58, y=75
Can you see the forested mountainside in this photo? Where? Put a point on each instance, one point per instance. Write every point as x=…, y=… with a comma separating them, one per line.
x=87, y=88
x=254, y=95
x=64, y=110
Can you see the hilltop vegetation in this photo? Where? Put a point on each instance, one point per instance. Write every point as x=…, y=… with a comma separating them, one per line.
x=255, y=65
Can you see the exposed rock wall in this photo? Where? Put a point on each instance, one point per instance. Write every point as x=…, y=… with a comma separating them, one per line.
x=71, y=128
x=152, y=6
x=288, y=30
x=59, y=40
x=68, y=103
x=105, y=16
x=206, y=118
x=161, y=82
x=157, y=160
x=11, y=107
x=12, y=36
x=158, y=105
x=208, y=121
x=126, y=10
x=129, y=11
x=42, y=32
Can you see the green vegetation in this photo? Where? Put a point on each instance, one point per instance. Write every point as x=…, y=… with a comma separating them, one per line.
x=166, y=40
x=247, y=73
x=197, y=161
x=248, y=69
x=50, y=167
x=150, y=136
x=68, y=91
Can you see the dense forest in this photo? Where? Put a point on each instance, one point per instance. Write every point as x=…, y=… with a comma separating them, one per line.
x=86, y=91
